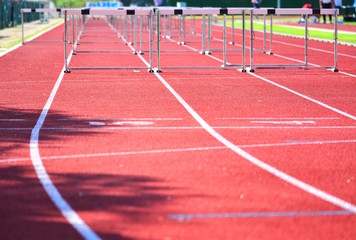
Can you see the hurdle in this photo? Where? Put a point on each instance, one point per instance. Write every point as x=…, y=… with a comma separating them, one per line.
x=204, y=12
x=291, y=11
x=36, y=10
x=114, y=13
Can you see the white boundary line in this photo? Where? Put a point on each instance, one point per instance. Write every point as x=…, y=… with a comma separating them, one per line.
x=175, y=150
x=272, y=170
x=72, y=217
x=30, y=39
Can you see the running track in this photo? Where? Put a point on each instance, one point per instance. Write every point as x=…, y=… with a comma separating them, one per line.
x=174, y=155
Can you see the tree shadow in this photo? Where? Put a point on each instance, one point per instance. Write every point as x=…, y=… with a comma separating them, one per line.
x=16, y=126
x=26, y=210
x=27, y=213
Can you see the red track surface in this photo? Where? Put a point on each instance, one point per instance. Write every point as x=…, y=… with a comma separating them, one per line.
x=126, y=155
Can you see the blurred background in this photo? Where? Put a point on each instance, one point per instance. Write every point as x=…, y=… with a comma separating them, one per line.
x=10, y=14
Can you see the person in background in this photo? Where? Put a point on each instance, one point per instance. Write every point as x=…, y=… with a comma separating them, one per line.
x=338, y=3
x=158, y=3
x=256, y=3
x=327, y=4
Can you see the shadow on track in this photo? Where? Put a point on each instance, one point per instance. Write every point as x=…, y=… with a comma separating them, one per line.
x=26, y=210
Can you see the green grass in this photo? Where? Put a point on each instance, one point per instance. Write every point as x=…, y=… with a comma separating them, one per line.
x=16, y=36
x=299, y=31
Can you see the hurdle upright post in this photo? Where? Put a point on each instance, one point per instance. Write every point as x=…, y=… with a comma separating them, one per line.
x=306, y=40
x=335, y=40
x=135, y=35
x=73, y=35
x=243, y=41
x=224, y=41
x=203, y=36
x=208, y=52
x=183, y=19
x=22, y=27
x=141, y=51
x=150, y=20
x=232, y=30
x=158, y=39
x=264, y=33
x=251, y=40
x=180, y=29
x=271, y=36
x=66, y=70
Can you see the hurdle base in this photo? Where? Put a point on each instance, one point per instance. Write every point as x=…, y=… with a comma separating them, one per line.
x=150, y=70
x=67, y=71
x=134, y=53
x=207, y=52
x=232, y=43
x=202, y=52
x=140, y=53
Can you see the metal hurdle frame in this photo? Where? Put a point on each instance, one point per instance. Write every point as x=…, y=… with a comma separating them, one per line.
x=34, y=10
x=291, y=11
x=104, y=12
x=203, y=12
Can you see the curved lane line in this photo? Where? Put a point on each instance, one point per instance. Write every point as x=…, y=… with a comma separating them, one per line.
x=71, y=216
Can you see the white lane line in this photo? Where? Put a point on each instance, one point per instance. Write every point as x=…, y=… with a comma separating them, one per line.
x=123, y=119
x=13, y=120
x=297, y=93
x=100, y=128
x=161, y=151
x=72, y=217
x=294, y=122
x=305, y=97
x=261, y=119
x=293, y=59
x=272, y=170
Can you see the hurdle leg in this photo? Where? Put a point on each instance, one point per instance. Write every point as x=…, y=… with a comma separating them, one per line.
x=243, y=42
x=141, y=36
x=66, y=69
x=158, y=40
x=251, y=40
x=232, y=30
x=203, y=35
x=335, y=41
x=306, y=41
x=22, y=27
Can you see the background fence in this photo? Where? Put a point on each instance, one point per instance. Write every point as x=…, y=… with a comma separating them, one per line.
x=10, y=12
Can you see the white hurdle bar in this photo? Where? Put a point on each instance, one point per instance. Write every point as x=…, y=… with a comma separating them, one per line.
x=154, y=18
x=34, y=10
x=107, y=12
x=293, y=11
x=203, y=12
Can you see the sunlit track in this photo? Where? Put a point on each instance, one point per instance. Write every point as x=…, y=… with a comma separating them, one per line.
x=181, y=149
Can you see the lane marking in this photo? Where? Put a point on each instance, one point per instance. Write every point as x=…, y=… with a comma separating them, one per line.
x=272, y=170
x=304, y=96
x=187, y=217
x=110, y=154
x=294, y=122
x=13, y=120
x=66, y=210
x=277, y=118
x=102, y=128
x=123, y=119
